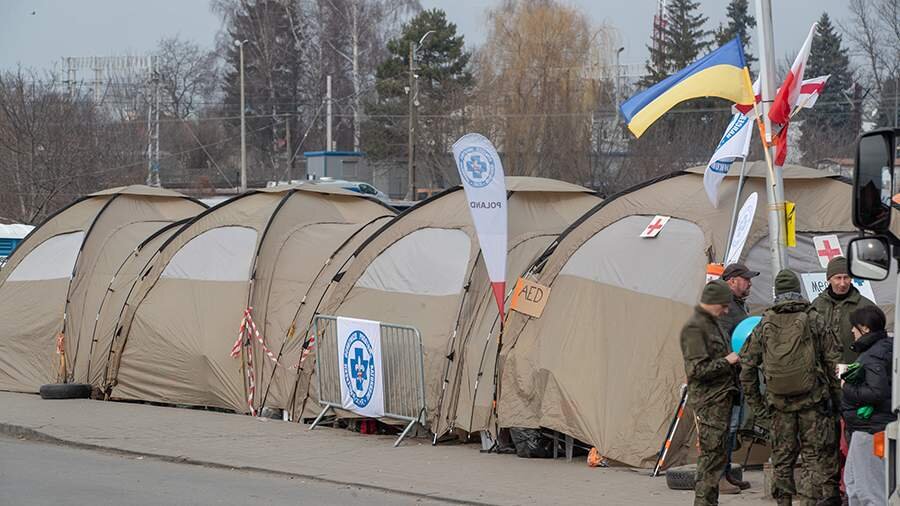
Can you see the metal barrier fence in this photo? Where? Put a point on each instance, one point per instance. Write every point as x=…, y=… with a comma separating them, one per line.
x=402, y=365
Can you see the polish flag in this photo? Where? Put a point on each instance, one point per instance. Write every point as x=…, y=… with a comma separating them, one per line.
x=788, y=96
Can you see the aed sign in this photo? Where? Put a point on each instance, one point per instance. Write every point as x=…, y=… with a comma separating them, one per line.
x=530, y=298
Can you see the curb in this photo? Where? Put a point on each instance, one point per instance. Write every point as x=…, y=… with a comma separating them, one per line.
x=18, y=431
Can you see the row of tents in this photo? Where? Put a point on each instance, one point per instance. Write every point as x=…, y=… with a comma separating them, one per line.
x=140, y=292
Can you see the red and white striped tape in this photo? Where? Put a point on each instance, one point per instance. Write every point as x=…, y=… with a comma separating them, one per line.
x=246, y=332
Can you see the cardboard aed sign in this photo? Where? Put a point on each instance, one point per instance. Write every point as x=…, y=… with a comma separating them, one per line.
x=530, y=298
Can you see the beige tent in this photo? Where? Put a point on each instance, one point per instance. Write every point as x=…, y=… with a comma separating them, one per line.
x=55, y=281
x=263, y=249
x=603, y=363
x=425, y=270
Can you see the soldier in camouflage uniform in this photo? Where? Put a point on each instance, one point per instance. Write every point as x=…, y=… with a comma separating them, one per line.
x=836, y=303
x=712, y=389
x=803, y=423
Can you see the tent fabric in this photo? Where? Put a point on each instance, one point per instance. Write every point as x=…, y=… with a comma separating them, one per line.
x=426, y=262
x=220, y=254
x=52, y=259
x=616, y=256
x=102, y=230
x=758, y=169
x=536, y=220
x=375, y=284
x=603, y=362
x=173, y=341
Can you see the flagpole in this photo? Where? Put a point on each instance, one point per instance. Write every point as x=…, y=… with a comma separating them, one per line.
x=774, y=180
x=734, y=211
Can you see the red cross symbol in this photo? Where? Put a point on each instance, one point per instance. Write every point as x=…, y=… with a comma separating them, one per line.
x=653, y=227
x=827, y=251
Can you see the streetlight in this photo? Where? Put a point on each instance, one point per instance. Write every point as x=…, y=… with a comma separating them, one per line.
x=240, y=45
x=413, y=117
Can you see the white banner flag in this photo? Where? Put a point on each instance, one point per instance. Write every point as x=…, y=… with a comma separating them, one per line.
x=741, y=229
x=734, y=144
x=359, y=364
x=482, y=177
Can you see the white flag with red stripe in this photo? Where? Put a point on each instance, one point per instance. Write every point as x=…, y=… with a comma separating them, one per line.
x=809, y=94
x=482, y=177
x=789, y=95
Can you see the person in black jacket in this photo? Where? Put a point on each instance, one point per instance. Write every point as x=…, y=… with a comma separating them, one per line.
x=866, y=405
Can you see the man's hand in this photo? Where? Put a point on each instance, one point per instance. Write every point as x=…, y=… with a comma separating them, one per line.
x=732, y=358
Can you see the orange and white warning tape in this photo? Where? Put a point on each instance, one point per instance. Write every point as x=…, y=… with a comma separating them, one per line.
x=246, y=332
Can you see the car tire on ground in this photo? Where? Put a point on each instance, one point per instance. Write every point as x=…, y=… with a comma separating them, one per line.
x=66, y=391
x=684, y=477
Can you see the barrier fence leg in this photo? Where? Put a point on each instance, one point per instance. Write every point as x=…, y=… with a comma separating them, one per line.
x=405, y=431
x=319, y=418
x=570, y=447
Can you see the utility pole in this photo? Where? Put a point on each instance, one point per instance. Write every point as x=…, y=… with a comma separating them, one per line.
x=240, y=45
x=288, y=152
x=413, y=113
x=616, y=87
x=411, y=159
x=153, y=126
x=774, y=180
x=329, y=145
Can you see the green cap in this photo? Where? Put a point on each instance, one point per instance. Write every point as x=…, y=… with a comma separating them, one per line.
x=837, y=265
x=786, y=281
x=716, y=292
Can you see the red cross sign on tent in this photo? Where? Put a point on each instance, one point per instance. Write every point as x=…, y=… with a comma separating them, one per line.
x=827, y=247
x=655, y=226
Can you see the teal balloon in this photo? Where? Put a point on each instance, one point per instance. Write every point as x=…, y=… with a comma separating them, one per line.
x=743, y=331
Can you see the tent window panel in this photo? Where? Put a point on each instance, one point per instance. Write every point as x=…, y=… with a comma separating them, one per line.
x=220, y=254
x=430, y=261
x=52, y=259
x=671, y=266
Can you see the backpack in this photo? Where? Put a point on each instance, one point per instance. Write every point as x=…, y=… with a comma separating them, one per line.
x=790, y=362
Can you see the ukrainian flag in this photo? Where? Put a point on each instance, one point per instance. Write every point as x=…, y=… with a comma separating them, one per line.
x=722, y=73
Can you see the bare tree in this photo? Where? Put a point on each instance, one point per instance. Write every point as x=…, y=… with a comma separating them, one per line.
x=368, y=25
x=538, y=87
x=187, y=76
x=55, y=147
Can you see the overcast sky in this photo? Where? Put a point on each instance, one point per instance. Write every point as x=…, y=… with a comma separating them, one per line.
x=37, y=33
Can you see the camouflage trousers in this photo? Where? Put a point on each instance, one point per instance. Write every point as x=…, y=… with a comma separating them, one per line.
x=812, y=434
x=713, y=422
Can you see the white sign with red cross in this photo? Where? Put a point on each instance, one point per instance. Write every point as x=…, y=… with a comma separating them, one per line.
x=827, y=247
x=655, y=226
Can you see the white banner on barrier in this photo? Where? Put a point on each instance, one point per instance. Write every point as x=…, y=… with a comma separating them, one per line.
x=359, y=363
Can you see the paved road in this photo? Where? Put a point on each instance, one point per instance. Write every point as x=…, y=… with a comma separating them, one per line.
x=34, y=473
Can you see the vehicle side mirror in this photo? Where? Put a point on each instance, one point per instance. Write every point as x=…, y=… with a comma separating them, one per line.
x=873, y=180
x=869, y=258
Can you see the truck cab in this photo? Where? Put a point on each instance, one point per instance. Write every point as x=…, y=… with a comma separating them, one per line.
x=870, y=256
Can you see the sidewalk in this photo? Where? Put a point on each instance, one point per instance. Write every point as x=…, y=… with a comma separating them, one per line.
x=452, y=472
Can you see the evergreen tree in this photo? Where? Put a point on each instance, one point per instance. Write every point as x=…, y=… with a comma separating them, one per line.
x=740, y=22
x=889, y=103
x=273, y=65
x=829, y=128
x=442, y=67
x=683, y=40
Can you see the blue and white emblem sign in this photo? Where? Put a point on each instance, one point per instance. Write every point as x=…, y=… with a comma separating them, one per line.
x=359, y=356
x=477, y=166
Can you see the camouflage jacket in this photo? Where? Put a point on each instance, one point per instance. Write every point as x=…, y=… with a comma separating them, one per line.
x=710, y=377
x=828, y=388
x=837, y=316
